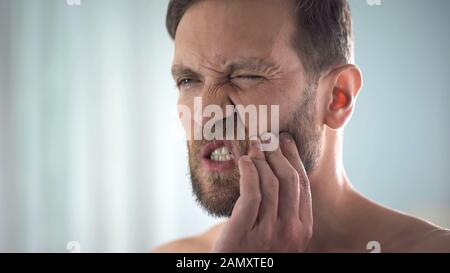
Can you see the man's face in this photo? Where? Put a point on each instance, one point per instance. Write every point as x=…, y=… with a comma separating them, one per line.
x=239, y=52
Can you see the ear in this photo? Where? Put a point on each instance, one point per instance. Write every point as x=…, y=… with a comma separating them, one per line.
x=343, y=84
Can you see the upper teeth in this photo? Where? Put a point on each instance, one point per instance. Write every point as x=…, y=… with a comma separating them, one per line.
x=221, y=154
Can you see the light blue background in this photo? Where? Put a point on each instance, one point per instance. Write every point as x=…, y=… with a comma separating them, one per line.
x=91, y=149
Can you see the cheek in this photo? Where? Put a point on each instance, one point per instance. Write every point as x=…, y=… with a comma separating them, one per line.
x=268, y=97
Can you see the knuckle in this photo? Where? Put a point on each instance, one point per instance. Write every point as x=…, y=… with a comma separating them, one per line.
x=272, y=183
x=289, y=231
x=269, y=197
x=308, y=233
x=254, y=198
x=293, y=176
x=265, y=238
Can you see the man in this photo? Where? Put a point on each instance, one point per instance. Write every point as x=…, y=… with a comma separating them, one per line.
x=297, y=54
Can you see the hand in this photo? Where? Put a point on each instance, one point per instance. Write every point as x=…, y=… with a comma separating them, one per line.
x=273, y=212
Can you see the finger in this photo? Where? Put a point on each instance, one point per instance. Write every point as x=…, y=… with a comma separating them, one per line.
x=290, y=151
x=289, y=188
x=267, y=182
x=254, y=150
x=245, y=212
x=269, y=192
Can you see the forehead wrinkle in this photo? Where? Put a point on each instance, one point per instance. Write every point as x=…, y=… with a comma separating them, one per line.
x=254, y=64
x=216, y=64
x=199, y=62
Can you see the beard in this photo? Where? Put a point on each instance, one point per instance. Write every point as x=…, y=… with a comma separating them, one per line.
x=218, y=192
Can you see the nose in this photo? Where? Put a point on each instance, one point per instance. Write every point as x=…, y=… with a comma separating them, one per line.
x=214, y=103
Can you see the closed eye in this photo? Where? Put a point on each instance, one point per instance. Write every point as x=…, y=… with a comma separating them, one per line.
x=247, y=81
x=249, y=77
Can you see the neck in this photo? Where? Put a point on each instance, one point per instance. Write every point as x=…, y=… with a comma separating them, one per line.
x=332, y=194
x=329, y=182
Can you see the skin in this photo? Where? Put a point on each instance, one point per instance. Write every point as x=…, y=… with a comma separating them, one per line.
x=282, y=208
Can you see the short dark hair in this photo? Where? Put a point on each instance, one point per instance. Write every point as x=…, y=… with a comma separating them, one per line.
x=324, y=34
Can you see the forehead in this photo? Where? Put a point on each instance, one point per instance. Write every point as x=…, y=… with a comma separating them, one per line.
x=221, y=30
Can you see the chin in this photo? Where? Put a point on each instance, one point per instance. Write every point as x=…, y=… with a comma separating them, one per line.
x=216, y=193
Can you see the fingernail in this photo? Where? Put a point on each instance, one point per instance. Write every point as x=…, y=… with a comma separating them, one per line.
x=285, y=138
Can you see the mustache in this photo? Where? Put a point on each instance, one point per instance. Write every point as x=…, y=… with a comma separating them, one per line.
x=195, y=146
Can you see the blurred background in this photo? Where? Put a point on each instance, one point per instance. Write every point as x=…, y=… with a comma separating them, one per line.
x=91, y=149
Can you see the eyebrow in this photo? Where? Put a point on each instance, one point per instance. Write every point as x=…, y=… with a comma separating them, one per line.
x=246, y=64
x=179, y=70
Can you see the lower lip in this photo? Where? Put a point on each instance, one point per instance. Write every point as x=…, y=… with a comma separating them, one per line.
x=218, y=166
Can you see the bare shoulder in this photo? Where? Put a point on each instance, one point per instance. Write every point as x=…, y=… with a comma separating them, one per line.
x=436, y=240
x=196, y=244
x=400, y=232
x=418, y=235
x=193, y=244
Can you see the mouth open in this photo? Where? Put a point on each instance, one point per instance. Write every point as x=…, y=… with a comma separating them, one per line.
x=218, y=156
